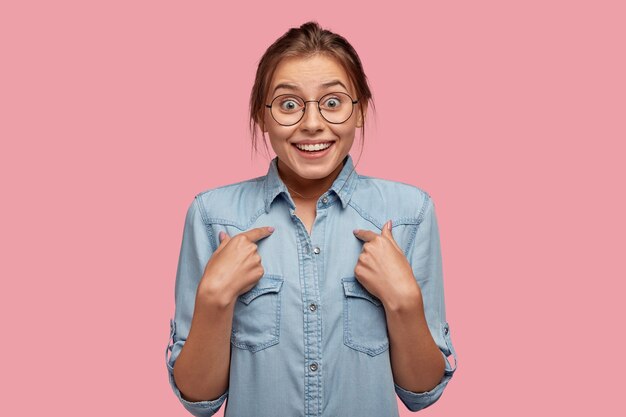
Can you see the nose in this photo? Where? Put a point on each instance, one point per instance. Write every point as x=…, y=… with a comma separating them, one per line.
x=312, y=120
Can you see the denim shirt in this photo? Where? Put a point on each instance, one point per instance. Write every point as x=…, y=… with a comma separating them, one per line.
x=309, y=340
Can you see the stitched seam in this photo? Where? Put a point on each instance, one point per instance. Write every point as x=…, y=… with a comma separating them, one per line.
x=240, y=226
x=300, y=251
x=379, y=224
x=320, y=364
x=348, y=341
x=276, y=294
x=423, y=209
x=420, y=218
x=203, y=216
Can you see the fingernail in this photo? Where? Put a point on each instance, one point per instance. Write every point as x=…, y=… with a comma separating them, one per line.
x=355, y=231
x=221, y=236
x=389, y=227
x=270, y=229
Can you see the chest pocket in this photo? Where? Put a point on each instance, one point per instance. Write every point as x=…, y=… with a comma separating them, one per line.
x=256, y=318
x=364, y=321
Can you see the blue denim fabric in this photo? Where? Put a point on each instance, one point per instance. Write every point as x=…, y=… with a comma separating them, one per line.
x=309, y=340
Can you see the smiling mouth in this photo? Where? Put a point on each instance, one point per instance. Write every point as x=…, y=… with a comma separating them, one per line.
x=318, y=147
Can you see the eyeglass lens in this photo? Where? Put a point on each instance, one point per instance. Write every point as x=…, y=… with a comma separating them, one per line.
x=288, y=109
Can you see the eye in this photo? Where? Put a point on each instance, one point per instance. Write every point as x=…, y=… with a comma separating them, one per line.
x=289, y=104
x=332, y=103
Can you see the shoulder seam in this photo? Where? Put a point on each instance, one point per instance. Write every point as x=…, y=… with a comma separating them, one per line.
x=210, y=220
x=204, y=217
x=420, y=219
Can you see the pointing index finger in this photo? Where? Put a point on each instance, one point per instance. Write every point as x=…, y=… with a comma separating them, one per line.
x=365, y=235
x=259, y=233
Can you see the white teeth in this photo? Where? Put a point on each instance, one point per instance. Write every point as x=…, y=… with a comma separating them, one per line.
x=316, y=147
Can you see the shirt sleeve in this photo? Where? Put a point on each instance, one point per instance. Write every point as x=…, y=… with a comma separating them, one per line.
x=195, y=251
x=426, y=261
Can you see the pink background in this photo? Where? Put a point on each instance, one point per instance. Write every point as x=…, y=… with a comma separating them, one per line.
x=114, y=114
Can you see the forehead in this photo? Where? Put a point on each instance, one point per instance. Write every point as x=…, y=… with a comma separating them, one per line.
x=311, y=74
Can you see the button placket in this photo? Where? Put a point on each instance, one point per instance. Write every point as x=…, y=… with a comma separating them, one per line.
x=311, y=269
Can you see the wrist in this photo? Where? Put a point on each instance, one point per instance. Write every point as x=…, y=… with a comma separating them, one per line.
x=404, y=300
x=211, y=294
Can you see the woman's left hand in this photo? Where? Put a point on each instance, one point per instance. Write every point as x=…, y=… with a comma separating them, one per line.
x=383, y=269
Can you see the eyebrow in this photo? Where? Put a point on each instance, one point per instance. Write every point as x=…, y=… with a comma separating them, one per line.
x=295, y=88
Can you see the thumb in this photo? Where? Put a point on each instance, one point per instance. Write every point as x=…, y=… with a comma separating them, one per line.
x=386, y=232
x=224, y=238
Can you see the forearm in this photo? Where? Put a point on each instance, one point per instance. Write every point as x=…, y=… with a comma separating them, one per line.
x=416, y=361
x=202, y=368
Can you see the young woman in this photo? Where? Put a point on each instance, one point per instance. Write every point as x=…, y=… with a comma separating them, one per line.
x=312, y=290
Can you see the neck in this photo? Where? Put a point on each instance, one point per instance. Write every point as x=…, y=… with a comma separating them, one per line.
x=308, y=188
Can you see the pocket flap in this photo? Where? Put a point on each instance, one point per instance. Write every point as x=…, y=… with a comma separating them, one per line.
x=353, y=288
x=267, y=284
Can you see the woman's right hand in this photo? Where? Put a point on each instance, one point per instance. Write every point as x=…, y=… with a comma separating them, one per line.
x=234, y=268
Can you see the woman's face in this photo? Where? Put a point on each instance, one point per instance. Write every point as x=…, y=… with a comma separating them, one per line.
x=310, y=78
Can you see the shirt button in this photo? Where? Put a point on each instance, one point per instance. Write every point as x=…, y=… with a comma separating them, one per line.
x=325, y=200
x=313, y=367
x=312, y=307
x=316, y=250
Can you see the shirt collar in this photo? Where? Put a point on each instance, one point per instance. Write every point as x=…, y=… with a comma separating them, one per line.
x=343, y=186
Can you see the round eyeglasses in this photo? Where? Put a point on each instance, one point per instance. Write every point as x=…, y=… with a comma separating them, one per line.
x=288, y=109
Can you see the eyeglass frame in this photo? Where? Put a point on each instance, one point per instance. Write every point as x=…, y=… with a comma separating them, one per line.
x=269, y=106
